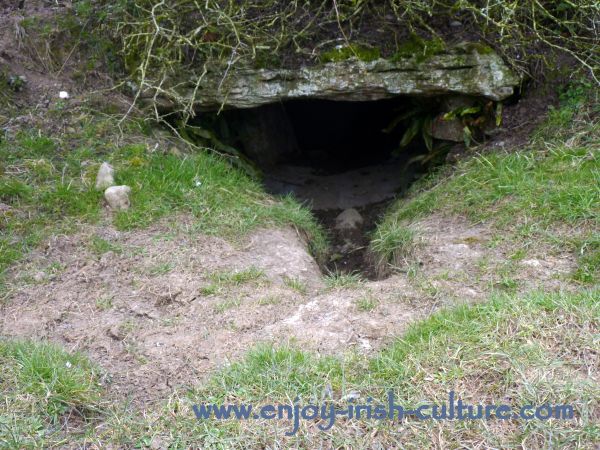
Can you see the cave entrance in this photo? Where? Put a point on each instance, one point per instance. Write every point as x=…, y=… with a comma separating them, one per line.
x=339, y=157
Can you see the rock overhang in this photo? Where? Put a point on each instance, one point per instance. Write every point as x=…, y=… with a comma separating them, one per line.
x=464, y=70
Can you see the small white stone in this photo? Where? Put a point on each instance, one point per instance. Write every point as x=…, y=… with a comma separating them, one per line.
x=63, y=94
x=351, y=396
x=117, y=197
x=349, y=219
x=105, y=177
x=39, y=277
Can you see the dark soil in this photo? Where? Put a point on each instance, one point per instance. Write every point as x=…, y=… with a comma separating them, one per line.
x=350, y=248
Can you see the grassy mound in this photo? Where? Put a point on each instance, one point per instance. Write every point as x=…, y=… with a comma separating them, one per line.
x=548, y=191
x=47, y=185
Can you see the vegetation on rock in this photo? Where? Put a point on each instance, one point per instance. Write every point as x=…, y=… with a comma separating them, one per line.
x=164, y=46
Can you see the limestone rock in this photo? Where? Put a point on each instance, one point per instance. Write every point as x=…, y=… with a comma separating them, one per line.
x=447, y=130
x=467, y=69
x=117, y=197
x=349, y=219
x=105, y=177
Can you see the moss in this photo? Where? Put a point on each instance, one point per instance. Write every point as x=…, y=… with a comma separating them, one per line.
x=362, y=52
x=419, y=48
x=267, y=60
x=478, y=47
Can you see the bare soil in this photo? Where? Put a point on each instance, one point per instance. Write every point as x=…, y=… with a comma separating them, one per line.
x=149, y=314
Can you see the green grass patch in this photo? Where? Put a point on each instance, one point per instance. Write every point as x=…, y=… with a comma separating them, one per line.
x=392, y=242
x=559, y=185
x=43, y=388
x=295, y=284
x=512, y=349
x=551, y=185
x=237, y=277
x=337, y=280
x=221, y=281
x=48, y=181
x=367, y=303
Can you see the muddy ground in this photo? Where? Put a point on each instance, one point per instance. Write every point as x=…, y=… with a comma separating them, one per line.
x=160, y=309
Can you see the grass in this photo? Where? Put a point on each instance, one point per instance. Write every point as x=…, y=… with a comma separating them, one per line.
x=47, y=183
x=337, y=280
x=536, y=193
x=366, y=304
x=538, y=348
x=228, y=304
x=42, y=386
x=391, y=242
x=223, y=280
x=104, y=303
x=160, y=269
x=534, y=349
x=101, y=246
x=237, y=277
x=228, y=279
x=295, y=284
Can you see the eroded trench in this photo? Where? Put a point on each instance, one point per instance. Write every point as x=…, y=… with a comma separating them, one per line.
x=341, y=158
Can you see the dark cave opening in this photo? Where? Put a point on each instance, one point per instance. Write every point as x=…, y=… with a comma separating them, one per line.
x=340, y=136
x=332, y=155
x=341, y=158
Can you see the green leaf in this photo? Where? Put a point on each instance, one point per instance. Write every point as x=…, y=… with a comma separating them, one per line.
x=467, y=136
x=426, y=132
x=410, y=133
x=499, y=114
x=471, y=110
x=400, y=118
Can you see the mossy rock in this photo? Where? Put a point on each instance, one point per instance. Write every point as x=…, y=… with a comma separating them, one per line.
x=342, y=53
x=419, y=48
x=434, y=71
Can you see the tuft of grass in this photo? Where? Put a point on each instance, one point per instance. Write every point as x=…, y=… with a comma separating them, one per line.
x=237, y=277
x=588, y=253
x=269, y=300
x=366, y=304
x=269, y=372
x=227, y=305
x=160, y=269
x=104, y=303
x=227, y=279
x=337, y=280
x=296, y=284
x=101, y=246
x=44, y=388
x=392, y=243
